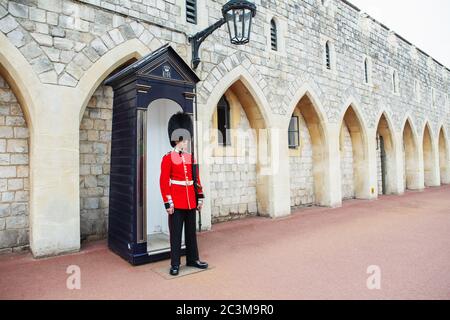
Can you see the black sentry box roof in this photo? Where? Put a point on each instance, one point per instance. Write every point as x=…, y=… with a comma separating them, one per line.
x=149, y=65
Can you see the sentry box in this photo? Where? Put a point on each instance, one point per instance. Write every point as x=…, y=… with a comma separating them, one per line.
x=146, y=94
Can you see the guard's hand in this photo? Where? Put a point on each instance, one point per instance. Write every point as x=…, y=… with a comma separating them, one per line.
x=170, y=210
x=200, y=206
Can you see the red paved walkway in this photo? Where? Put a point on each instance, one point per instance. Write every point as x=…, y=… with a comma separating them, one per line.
x=316, y=253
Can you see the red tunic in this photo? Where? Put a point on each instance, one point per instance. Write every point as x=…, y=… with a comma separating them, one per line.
x=178, y=167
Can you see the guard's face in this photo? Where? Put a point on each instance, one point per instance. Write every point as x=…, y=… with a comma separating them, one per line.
x=183, y=144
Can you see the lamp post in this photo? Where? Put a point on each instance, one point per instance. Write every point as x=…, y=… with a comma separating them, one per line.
x=237, y=14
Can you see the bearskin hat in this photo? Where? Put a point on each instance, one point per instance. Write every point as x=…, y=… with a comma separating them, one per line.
x=180, y=128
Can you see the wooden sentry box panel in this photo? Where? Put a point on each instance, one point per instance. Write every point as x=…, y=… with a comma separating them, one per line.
x=161, y=74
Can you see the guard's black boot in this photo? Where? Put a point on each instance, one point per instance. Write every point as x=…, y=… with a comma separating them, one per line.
x=174, y=270
x=197, y=264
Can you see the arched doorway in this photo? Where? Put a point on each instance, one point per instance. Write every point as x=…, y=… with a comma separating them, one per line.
x=443, y=158
x=237, y=187
x=14, y=171
x=385, y=157
x=410, y=158
x=353, y=156
x=428, y=158
x=307, y=149
x=95, y=160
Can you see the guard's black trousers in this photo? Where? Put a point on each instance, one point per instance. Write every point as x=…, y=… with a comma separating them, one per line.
x=176, y=220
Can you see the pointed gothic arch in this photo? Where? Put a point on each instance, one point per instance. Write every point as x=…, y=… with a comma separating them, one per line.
x=444, y=161
x=313, y=145
x=239, y=86
x=385, y=155
x=430, y=169
x=412, y=173
x=355, y=173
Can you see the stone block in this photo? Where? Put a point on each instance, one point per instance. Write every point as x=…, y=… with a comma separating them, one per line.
x=103, y=180
x=99, y=46
x=97, y=170
x=104, y=202
x=43, y=39
x=90, y=181
x=4, y=159
x=19, y=209
x=52, y=53
x=7, y=171
x=5, y=210
x=63, y=44
x=51, y=5
x=81, y=60
x=37, y=15
x=17, y=38
x=31, y=50
x=15, y=121
x=7, y=24
x=16, y=222
x=74, y=70
x=21, y=196
x=100, y=148
x=91, y=203
x=17, y=145
x=15, y=184
x=3, y=185
x=8, y=196
x=67, y=80
x=3, y=12
x=9, y=238
x=116, y=36
x=41, y=64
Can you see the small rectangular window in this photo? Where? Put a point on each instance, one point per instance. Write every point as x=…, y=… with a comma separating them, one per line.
x=191, y=11
x=273, y=35
x=327, y=55
x=293, y=133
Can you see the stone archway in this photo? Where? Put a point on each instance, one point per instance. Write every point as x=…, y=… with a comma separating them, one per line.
x=95, y=136
x=236, y=183
x=385, y=156
x=14, y=171
x=429, y=163
x=412, y=174
x=95, y=154
x=353, y=145
x=19, y=88
x=307, y=162
x=444, y=162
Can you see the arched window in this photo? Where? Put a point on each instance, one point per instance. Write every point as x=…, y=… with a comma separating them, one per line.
x=328, y=55
x=191, y=11
x=273, y=35
x=366, y=70
x=223, y=121
x=293, y=133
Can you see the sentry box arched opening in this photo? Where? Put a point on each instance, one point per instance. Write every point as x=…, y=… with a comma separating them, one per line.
x=146, y=94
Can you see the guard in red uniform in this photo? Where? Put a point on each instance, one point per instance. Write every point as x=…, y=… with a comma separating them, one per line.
x=181, y=197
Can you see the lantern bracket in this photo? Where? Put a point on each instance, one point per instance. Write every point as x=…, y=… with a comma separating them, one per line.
x=197, y=39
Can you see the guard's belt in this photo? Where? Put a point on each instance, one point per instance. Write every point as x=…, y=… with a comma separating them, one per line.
x=182, y=183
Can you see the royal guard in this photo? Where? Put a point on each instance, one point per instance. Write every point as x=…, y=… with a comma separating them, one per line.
x=182, y=195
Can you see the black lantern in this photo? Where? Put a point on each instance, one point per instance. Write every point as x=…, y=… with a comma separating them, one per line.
x=238, y=15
